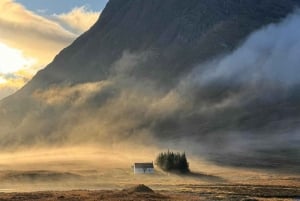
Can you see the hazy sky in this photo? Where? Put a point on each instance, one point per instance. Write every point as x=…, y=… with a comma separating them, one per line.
x=32, y=32
x=60, y=6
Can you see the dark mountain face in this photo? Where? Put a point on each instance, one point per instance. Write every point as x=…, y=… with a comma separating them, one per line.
x=179, y=34
x=178, y=72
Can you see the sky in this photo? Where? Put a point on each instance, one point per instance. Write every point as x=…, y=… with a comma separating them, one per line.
x=32, y=32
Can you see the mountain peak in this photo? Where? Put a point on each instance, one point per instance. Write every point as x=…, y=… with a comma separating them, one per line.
x=197, y=30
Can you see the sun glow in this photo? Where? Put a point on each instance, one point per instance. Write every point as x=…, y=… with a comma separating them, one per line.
x=2, y=80
x=13, y=60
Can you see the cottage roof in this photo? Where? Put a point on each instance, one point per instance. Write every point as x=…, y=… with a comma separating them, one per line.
x=143, y=165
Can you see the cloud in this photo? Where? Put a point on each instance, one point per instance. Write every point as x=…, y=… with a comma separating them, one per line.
x=247, y=101
x=13, y=60
x=79, y=19
x=33, y=40
x=11, y=82
x=33, y=34
x=268, y=55
x=15, y=70
x=75, y=95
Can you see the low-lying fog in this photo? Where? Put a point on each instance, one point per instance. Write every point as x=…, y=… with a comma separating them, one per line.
x=91, y=167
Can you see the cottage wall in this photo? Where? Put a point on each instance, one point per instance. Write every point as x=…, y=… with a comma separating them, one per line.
x=143, y=170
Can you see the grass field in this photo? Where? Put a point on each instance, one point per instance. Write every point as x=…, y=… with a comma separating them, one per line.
x=93, y=174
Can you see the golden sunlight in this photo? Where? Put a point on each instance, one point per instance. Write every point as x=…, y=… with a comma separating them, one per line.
x=13, y=60
x=2, y=80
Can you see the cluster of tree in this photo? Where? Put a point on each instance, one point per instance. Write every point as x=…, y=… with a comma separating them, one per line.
x=172, y=162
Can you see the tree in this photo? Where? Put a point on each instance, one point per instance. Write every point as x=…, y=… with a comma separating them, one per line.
x=172, y=162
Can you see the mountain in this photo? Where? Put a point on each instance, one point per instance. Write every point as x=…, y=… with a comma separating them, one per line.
x=132, y=75
x=195, y=30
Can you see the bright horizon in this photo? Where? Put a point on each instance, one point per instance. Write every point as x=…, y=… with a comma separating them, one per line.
x=32, y=33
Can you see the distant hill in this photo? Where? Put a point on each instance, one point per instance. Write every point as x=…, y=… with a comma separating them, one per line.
x=127, y=78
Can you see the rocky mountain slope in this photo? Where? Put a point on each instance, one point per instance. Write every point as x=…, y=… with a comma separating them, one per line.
x=180, y=34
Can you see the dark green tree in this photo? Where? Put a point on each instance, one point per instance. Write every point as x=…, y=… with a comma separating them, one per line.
x=172, y=162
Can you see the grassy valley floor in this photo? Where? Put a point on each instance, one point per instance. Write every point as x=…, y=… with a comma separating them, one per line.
x=73, y=174
x=190, y=192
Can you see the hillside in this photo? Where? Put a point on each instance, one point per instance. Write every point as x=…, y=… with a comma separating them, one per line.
x=195, y=30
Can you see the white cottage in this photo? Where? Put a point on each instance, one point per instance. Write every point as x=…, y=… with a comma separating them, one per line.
x=143, y=168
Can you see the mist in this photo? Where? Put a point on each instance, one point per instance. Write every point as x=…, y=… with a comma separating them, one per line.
x=251, y=94
x=245, y=102
x=269, y=55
